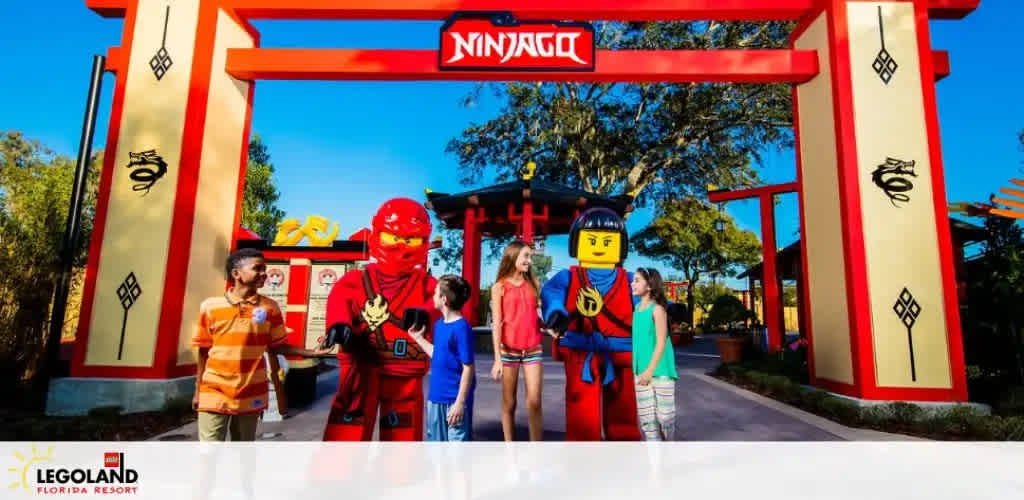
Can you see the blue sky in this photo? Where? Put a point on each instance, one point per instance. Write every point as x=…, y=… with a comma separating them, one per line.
x=342, y=148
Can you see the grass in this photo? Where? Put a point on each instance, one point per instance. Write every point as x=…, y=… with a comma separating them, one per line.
x=959, y=423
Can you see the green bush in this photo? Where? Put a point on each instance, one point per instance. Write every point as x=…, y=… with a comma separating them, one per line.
x=1011, y=429
x=905, y=413
x=726, y=310
x=839, y=409
x=1012, y=402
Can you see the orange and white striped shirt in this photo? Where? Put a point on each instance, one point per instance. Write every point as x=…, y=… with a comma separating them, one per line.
x=237, y=332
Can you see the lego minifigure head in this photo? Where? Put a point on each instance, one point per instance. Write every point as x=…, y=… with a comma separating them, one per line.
x=401, y=230
x=598, y=238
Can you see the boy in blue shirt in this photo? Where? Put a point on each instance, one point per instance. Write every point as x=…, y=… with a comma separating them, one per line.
x=452, y=381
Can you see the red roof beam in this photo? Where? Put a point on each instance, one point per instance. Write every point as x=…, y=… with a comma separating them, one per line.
x=751, y=66
x=577, y=10
x=724, y=195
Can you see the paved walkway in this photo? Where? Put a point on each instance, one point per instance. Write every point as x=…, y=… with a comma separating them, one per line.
x=707, y=409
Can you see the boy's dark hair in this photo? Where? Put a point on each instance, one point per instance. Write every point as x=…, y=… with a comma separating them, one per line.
x=235, y=260
x=455, y=289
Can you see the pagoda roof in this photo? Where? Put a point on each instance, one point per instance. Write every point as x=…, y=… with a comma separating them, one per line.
x=560, y=202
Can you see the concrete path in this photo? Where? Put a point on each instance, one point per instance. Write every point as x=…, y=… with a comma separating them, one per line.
x=707, y=409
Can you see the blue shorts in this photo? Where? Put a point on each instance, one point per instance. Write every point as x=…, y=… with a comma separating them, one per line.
x=437, y=423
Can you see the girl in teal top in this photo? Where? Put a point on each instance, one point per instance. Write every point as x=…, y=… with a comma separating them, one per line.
x=654, y=361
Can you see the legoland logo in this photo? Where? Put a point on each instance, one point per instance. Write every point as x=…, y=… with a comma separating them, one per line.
x=113, y=478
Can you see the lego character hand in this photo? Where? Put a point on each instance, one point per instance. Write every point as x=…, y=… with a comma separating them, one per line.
x=415, y=319
x=557, y=322
x=338, y=334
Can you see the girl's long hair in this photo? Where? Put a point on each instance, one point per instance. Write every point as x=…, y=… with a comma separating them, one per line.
x=507, y=268
x=657, y=286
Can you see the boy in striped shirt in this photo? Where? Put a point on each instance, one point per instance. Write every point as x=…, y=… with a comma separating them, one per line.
x=232, y=334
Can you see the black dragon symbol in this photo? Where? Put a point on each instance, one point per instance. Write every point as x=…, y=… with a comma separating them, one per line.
x=144, y=176
x=891, y=177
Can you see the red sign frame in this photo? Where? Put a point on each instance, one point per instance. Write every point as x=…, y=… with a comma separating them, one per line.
x=582, y=49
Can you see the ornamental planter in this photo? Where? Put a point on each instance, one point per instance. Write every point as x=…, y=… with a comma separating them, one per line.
x=730, y=348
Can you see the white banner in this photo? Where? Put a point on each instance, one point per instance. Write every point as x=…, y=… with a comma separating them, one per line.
x=530, y=471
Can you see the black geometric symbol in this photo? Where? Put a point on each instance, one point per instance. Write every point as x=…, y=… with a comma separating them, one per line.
x=143, y=176
x=884, y=65
x=890, y=176
x=128, y=293
x=161, y=62
x=908, y=310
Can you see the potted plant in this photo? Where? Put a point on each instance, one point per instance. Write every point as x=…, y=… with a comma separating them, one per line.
x=729, y=313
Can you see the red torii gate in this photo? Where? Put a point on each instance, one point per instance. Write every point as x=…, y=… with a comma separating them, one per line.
x=186, y=61
x=773, y=319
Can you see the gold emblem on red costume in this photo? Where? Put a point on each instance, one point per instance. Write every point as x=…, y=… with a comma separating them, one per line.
x=589, y=302
x=375, y=312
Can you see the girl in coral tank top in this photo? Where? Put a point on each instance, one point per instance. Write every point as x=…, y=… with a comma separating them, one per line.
x=516, y=330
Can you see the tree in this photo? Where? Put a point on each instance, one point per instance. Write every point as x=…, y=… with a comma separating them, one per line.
x=541, y=266
x=705, y=294
x=683, y=235
x=260, y=212
x=652, y=140
x=35, y=186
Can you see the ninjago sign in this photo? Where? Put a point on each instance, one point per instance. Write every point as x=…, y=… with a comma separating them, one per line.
x=500, y=43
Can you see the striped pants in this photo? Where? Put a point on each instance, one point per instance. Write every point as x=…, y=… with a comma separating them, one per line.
x=656, y=408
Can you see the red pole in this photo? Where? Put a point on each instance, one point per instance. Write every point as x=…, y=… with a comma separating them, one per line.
x=471, y=264
x=528, y=222
x=769, y=278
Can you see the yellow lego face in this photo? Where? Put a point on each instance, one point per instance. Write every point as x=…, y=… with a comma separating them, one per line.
x=599, y=249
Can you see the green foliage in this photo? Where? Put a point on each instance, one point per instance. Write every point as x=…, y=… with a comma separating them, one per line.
x=726, y=311
x=993, y=320
x=652, y=139
x=683, y=236
x=260, y=212
x=706, y=293
x=35, y=189
x=1012, y=402
x=905, y=413
x=962, y=422
x=541, y=266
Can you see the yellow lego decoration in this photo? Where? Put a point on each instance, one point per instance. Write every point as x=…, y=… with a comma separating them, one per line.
x=529, y=170
x=290, y=232
x=599, y=249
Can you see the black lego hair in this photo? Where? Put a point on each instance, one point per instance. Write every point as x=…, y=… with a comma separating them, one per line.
x=601, y=219
x=236, y=258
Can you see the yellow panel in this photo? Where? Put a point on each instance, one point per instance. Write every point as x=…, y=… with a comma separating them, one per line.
x=319, y=289
x=137, y=227
x=819, y=169
x=900, y=237
x=219, y=169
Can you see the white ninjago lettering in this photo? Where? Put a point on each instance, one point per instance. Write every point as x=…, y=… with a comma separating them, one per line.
x=509, y=45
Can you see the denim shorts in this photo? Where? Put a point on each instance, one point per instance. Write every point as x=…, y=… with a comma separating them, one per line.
x=437, y=423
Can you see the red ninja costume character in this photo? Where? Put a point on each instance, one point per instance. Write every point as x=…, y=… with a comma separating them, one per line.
x=592, y=306
x=368, y=313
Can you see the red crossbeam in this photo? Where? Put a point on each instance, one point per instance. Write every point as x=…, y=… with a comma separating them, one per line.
x=611, y=66
x=579, y=10
x=754, y=192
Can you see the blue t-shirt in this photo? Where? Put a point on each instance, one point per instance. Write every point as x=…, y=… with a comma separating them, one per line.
x=453, y=347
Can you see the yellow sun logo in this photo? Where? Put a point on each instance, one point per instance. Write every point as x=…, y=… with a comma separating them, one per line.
x=27, y=464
